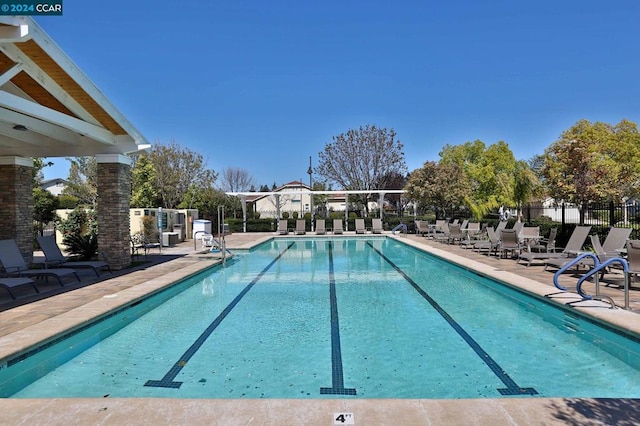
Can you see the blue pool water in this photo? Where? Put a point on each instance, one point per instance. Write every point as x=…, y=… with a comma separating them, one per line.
x=335, y=317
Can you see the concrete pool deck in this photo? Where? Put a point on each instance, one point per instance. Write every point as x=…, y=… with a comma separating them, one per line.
x=24, y=324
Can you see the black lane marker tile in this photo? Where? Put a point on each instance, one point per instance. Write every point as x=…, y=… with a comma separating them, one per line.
x=337, y=376
x=512, y=387
x=168, y=380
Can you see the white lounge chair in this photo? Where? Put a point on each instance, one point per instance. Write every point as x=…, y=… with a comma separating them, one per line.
x=300, y=227
x=54, y=257
x=15, y=266
x=283, y=227
x=376, y=225
x=320, y=227
x=337, y=226
x=360, y=229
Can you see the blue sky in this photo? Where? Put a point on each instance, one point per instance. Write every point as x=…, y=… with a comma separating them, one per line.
x=264, y=85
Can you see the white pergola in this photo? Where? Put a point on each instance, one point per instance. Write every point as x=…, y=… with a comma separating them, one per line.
x=381, y=193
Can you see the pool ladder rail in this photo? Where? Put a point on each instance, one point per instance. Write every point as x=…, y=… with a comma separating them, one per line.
x=598, y=266
x=400, y=227
x=213, y=244
x=221, y=245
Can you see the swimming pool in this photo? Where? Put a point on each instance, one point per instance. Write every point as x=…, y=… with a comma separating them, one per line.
x=336, y=317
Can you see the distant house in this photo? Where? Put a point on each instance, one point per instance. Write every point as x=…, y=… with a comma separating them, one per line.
x=54, y=186
x=295, y=198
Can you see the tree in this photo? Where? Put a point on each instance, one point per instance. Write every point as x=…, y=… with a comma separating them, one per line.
x=207, y=201
x=178, y=169
x=489, y=170
x=593, y=162
x=82, y=182
x=438, y=186
x=143, y=183
x=526, y=185
x=44, y=208
x=38, y=165
x=233, y=179
x=362, y=159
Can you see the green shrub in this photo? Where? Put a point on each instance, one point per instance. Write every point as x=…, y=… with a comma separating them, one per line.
x=80, y=233
x=83, y=246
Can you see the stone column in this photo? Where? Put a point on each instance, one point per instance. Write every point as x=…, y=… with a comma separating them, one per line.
x=16, y=200
x=114, y=197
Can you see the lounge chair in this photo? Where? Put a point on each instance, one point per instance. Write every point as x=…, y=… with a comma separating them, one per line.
x=529, y=233
x=472, y=229
x=455, y=233
x=600, y=253
x=573, y=248
x=547, y=245
x=443, y=234
x=360, y=229
x=470, y=235
x=320, y=227
x=574, y=245
x=283, y=227
x=633, y=257
x=337, y=226
x=422, y=227
x=15, y=266
x=518, y=227
x=300, y=227
x=9, y=284
x=376, y=225
x=438, y=228
x=492, y=245
x=615, y=241
x=54, y=257
x=509, y=242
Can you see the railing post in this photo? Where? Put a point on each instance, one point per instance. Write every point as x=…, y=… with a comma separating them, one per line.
x=626, y=290
x=612, y=214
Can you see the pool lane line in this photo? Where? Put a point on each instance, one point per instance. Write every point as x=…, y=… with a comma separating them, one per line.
x=337, y=375
x=511, y=386
x=168, y=381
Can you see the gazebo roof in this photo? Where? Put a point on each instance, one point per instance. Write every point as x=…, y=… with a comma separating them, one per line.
x=48, y=106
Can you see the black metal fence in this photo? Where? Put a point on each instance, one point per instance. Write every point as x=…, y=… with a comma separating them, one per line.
x=600, y=216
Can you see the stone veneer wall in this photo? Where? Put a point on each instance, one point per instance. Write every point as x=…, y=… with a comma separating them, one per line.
x=16, y=212
x=114, y=196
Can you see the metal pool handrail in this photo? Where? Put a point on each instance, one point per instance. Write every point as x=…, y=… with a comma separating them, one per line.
x=598, y=266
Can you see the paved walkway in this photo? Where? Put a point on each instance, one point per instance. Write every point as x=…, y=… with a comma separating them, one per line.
x=29, y=320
